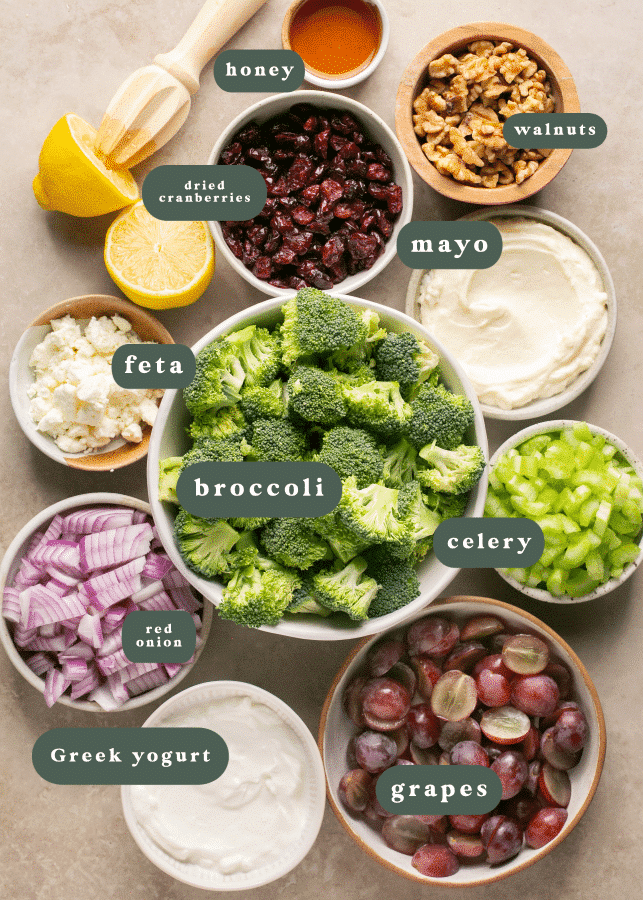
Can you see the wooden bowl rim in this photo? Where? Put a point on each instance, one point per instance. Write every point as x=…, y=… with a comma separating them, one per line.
x=450, y=41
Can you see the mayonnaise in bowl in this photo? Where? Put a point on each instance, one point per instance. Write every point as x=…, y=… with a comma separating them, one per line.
x=527, y=327
x=259, y=818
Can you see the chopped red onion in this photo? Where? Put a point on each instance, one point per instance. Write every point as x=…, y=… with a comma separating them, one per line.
x=158, y=602
x=40, y=663
x=91, y=521
x=55, y=685
x=11, y=604
x=89, y=682
x=147, y=682
x=75, y=669
x=90, y=631
x=157, y=565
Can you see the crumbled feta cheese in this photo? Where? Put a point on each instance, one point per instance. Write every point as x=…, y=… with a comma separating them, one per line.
x=74, y=397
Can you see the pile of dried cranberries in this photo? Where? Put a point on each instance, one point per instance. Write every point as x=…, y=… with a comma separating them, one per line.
x=331, y=205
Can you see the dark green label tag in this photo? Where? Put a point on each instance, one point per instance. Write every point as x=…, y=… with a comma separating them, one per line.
x=130, y=756
x=472, y=543
x=449, y=245
x=167, y=636
x=153, y=366
x=204, y=193
x=269, y=71
x=251, y=489
x=438, y=790
x=568, y=131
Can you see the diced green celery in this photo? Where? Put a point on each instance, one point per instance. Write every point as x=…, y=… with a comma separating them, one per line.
x=556, y=582
x=612, y=476
x=609, y=451
x=537, y=442
x=536, y=574
x=632, y=511
x=595, y=480
x=550, y=525
x=610, y=539
x=578, y=497
x=621, y=525
x=550, y=555
x=562, y=497
x=539, y=483
x=529, y=508
x=584, y=454
x=587, y=512
x=494, y=482
x=616, y=571
x=624, y=555
x=529, y=465
x=559, y=461
x=568, y=437
x=598, y=441
x=576, y=554
x=582, y=431
x=495, y=508
x=549, y=497
x=579, y=583
x=568, y=525
x=519, y=575
x=595, y=565
x=526, y=490
x=602, y=517
x=622, y=489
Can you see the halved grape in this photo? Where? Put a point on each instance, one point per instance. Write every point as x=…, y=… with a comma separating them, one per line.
x=465, y=846
x=422, y=756
x=401, y=738
x=423, y=725
x=555, y=786
x=354, y=789
x=468, y=753
x=505, y=725
x=531, y=744
x=375, y=751
x=561, y=675
x=454, y=696
x=559, y=759
x=522, y=808
x=493, y=689
x=544, y=826
x=445, y=759
x=405, y=676
x=494, y=663
x=464, y=656
x=512, y=770
x=433, y=636
x=469, y=824
x=374, y=803
x=480, y=627
x=535, y=768
x=501, y=838
x=536, y=695
x=435, y=861
x=383, y=657
x=570, y=731
x=428, y=674
x=352, y=701
x=405, y=833
x=525, y=654
x=385, y=703
x=548, y=721
x=454, y=732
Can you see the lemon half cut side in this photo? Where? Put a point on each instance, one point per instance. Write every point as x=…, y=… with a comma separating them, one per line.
x=72, y=179
x=159, y=264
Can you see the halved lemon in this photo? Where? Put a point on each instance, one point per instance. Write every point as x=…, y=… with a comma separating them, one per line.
x=72, y=179
x=159, y=264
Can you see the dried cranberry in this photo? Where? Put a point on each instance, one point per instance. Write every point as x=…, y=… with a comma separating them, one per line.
x=384, y=158
x=316, y=277
x=351, y=189
x=284, y=256
x=345, y=123
x=367, y=221
x=250, y=134
x=269, y=207
x=357, y=167
x=350, y=150
x=338, y=167
x=394, y=199
x=278, y=188
x=368, y=155
x=377, y=172
x=278, y=282
x=258, y=154
x=303, y=216
x=321, y=224
x=291, y=139
x=343, y=210
x=318, y=172
x=299, y=241
x=321, y=143
x=272, y=243
x=262, y=268
x=296, y=283
x=337, y=141
x=282, y=223
x=361, y=246
x=298, y=173
x=311, y=123
x=333, y=250
x=250, y=253
x=257, y=234
x=384, y=223
x=282, y=155
x=309, y=194
x=331, y=190
x=236, y=246
x=338, y=271
x=358, y=137
x=315, y=250
x=231, y=156
x=287, y=202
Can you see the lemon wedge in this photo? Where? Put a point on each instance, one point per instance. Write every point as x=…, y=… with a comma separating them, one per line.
x=72, y=179
x=159, y=264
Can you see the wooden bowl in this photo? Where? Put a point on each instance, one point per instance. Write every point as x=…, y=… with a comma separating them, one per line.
x=416, y=77
x=336, y=729
x=117, y=453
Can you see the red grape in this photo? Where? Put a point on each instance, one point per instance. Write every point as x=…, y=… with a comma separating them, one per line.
x=454, y=696
x=405, y=833
x=385, y=703
x=432, y=636
x=493, y=688
x=375, y=751
x=544, y=826
x=536, y=695
x=383, y=657
x=501, y=837
x=435, y=861
x=468, y=753
x=525, y=654
x=512, y=770
x=469, y=824
x=570, y=731
x=353, y=790
x=423, y=725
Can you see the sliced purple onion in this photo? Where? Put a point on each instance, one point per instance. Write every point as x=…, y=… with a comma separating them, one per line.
x=55, y=685
x=90, y=521
x=11, y=604
x=158, y=602
x=157, y=566
x=90, y=631
x=40, y=663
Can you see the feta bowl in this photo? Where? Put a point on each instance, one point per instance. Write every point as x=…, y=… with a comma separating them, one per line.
x=117, y=452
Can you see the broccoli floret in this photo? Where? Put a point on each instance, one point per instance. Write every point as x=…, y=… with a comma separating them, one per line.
x=275, y=440
x=377, y=406
x=371, y=513
x=455, y=471
x=344, y=543
x=214, y=450
x=316, y=324
x=359, y=354
x=259, y=594
x=304, y=600
x=258, y=402
x=314, y=395
x=351, y=451
x=404, y=358
x=291, y=543
x=411, y=507
x=245, y=552
x=249, y=524
x=358, y=374
x=204, y=544
x=217, y=381
x=447, y=506
x=169, y=471
x=347, y=590
x=259, y=353
x=400, y=464
x=440, y=416
x=222, y=423
x=397, y=579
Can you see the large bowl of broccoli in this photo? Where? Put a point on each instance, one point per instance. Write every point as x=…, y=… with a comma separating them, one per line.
x=342, y=381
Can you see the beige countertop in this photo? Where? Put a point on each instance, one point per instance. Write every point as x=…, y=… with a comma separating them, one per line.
x=71, y=842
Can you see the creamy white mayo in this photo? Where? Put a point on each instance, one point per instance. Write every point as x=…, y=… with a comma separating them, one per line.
x=526, y=327
x=250, y=816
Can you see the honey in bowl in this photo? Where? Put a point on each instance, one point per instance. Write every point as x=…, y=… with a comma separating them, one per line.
x=335, y=38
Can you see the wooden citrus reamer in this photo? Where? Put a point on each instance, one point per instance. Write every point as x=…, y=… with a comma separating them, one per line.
x=153, y=103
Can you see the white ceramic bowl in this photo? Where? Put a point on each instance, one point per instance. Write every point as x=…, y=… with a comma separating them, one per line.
x=9, y=567
x=547, y=405
x=169, y=439
x=376, y=129
x=335, y=731
x=634, y=461
x=118, y=452
x=210, y=879
x=339, y=83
